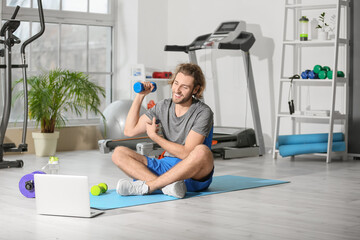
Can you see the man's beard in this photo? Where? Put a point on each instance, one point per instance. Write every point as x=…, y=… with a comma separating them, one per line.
x=181, y=100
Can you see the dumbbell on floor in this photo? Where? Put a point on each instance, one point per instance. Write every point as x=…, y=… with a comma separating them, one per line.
x=101, y=188
x=139, y=87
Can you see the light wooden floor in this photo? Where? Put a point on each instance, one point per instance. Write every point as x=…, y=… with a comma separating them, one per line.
x=321, y=202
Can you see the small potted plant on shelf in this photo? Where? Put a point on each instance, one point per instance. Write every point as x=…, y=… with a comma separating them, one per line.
x=53, y=94
x=323, y=27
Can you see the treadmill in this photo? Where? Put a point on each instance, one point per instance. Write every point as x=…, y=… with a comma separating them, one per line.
x=231, y=142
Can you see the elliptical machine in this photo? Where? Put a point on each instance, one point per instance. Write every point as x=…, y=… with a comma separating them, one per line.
x=9, y=41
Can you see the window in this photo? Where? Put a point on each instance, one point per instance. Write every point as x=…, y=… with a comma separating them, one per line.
x=78, y=36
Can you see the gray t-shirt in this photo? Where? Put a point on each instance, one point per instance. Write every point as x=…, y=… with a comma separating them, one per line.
x=198, y=118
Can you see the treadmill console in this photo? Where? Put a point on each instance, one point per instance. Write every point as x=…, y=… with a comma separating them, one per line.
x=226, y=32
x=226, y=27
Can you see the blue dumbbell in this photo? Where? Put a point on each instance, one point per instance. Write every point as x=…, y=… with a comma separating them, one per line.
x=305, y=74
x=313, y=75
x=139, y=87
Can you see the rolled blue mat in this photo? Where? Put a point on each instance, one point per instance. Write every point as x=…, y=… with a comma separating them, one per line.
x=307, y=138
x=296, y=149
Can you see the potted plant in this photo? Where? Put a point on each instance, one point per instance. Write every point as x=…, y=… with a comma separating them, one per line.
x=322, y=27
x=53, y=94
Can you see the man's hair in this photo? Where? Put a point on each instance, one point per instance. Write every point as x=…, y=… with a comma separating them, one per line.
x=193, y=70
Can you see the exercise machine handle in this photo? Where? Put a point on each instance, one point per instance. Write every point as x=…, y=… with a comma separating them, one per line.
x=197, y=44
x=15, y=12
x=175, y=48
x=11, y=24
x=42, y=30
x=244, y=42
x=23, y=57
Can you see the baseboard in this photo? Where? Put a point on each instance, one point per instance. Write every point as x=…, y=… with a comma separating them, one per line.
x=71, y=138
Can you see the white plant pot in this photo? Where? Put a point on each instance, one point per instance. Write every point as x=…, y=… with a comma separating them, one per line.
x=323, y=35
x=45, y=143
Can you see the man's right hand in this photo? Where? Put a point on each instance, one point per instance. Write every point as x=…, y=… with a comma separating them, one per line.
x=148, y=88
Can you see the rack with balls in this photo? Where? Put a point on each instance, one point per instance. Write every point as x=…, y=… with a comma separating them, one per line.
x=320, y=72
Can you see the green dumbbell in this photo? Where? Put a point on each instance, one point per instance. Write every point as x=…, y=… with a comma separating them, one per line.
x=322, y=74
x=330, y=74
x=339, y=74
x=101, y=188
x=317, y=69
x=326, y=68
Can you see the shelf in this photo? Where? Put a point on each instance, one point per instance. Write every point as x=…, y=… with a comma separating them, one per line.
x=344, y=3
x=339, y=153
x=311, y=6
x=316, y=82
x=157, y=79
x=315, y=42
x=298, y=116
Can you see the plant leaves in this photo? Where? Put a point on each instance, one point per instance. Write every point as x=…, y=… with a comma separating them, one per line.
x=52, y=94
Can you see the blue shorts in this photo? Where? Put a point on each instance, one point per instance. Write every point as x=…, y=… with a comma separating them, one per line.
x=160, y=166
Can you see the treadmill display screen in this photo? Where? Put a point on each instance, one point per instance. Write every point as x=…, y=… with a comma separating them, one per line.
x=227, y=27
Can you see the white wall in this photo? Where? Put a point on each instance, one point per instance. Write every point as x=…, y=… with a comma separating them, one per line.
x=140, y=37
x=153, y=24
x=126, y=47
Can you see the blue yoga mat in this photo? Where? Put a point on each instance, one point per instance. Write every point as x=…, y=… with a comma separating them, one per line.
x=220, y=184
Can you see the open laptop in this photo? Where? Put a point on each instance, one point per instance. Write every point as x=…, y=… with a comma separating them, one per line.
x=63, y=195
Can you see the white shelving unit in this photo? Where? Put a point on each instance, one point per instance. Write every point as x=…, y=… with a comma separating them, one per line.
x=294, y=10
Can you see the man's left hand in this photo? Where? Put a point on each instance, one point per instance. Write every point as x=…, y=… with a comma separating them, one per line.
x=152, y=128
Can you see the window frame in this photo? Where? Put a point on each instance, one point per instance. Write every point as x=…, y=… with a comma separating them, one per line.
x=76, y=18
x=53, y=16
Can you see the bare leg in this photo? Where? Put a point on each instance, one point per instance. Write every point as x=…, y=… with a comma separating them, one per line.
x=197, y=165
x=132, y=163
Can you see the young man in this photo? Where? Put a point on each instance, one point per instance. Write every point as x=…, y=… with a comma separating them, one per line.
x=186, y=124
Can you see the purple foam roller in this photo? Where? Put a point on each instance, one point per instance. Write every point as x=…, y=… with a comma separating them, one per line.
x=27, y=186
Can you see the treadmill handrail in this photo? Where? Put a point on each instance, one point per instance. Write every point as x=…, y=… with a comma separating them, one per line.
x=195, y=45
x=175, y=48
x=244, y=41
